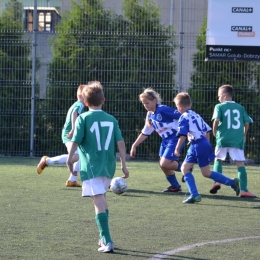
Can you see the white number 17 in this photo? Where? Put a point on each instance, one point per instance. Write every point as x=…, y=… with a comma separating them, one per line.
x=95, y=128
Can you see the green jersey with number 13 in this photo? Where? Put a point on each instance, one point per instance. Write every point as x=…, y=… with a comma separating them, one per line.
x=97, y=133
x=232, y=118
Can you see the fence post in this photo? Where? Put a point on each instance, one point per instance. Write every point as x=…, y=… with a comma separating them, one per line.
x=34, y=44
x=181, y=47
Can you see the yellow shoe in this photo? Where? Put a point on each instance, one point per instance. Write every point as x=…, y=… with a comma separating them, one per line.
x=247, y=194
x=42, y=164
x=72, y=184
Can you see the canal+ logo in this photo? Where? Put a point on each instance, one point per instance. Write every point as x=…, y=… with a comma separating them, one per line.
x=242, y=10
x=238, y=28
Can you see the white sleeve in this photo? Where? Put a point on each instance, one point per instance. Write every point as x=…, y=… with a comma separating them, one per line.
x=147, y=130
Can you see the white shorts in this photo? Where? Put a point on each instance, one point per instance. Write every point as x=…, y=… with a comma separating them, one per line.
x=68, y=145
x=95, y=186
x=235, y=153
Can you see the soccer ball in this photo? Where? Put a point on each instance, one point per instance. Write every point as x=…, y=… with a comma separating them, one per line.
x=118, y=185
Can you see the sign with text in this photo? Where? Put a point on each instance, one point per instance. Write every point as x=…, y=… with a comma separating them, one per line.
x=233, y=30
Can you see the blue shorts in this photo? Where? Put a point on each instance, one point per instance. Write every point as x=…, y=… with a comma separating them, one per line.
x=200, y=152
x=167, y=149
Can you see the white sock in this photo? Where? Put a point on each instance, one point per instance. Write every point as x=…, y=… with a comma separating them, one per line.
x=72, y=178
x=60, y=159
x=76, y=166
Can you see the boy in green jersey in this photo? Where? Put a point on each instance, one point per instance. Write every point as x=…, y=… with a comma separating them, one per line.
x=97, y=135
x=230, y=126
x=74, y=111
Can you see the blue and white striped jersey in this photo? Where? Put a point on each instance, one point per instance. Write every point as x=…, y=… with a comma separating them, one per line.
x=164, y=121
x=192, y=125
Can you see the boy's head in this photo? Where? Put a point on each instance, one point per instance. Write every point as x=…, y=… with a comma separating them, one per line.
x=183, y=102
x=93, y=94
x=225, y=93
x=79, y=92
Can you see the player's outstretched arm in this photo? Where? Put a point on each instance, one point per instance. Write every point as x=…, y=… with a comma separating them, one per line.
x=122, y=153
x=138, y=141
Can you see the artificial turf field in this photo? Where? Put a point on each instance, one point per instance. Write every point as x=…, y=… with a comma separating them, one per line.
x=42, y=219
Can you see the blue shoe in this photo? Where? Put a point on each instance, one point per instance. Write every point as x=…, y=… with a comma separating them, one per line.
x=193, y=199
x=236, y=186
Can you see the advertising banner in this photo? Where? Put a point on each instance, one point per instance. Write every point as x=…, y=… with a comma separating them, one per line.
x=233, y=30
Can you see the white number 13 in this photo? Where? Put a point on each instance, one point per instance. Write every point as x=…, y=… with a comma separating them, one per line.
x=236, y=115
x=95, y=128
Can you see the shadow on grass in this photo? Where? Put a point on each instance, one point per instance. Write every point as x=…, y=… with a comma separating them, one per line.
x=140, y=254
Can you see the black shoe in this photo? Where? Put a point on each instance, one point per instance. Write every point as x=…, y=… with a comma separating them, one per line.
x=215, y=188
x=172, y=189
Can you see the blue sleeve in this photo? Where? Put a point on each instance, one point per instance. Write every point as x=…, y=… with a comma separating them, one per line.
x=183, y=128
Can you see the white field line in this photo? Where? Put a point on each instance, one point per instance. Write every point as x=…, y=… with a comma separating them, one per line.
x=185, y=248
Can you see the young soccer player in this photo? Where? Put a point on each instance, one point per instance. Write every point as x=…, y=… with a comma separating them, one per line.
x=163, y=120
x=67, y=132
x=193, y=127
x=230, y=126
x=96, y=135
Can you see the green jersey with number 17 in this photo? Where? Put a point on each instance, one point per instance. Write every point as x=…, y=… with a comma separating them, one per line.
x=232, y=118
x=97, y=133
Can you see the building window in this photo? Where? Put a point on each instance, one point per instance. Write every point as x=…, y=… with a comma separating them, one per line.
x=48, y=17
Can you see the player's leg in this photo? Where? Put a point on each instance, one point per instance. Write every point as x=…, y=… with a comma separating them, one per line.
x=46, y=161
x=239, y=156
x=169, y=163
x=220, y=156
x=190, y=182
x=72, y=180
x=97, y=188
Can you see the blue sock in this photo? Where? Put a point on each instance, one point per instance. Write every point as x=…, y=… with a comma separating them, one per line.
x=172, y=180
x=218, y=177
x=190, y=182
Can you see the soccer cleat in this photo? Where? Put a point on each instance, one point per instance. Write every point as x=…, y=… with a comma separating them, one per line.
x=247, y=194
x=236, y=186
x=215, y=188
x=108, y=248
x=172, y=189
x=42, y=164
x=72, y=184
x=193, y=199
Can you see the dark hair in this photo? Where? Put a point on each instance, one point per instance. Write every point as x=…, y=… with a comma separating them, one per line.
x=93, y=93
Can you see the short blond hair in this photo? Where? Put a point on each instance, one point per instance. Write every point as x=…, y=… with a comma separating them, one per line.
x=80, y=89
x=183, y=99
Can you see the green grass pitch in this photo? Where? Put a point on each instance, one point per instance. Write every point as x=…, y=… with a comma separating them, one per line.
x=42, y=219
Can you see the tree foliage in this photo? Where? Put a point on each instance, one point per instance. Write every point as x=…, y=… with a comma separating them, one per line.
x=126, y=53
x=15, y=90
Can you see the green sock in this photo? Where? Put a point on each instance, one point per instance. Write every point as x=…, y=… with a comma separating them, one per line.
x=242, y=176
x=102, y=223
x=217, y=167
x=100, y=236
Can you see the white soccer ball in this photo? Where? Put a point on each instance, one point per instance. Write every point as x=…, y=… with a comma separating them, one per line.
x=118, y=185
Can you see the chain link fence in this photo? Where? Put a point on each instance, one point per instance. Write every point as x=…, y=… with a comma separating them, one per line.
x=127, y=46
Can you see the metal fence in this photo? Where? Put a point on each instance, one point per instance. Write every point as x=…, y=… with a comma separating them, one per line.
x=126, y=50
